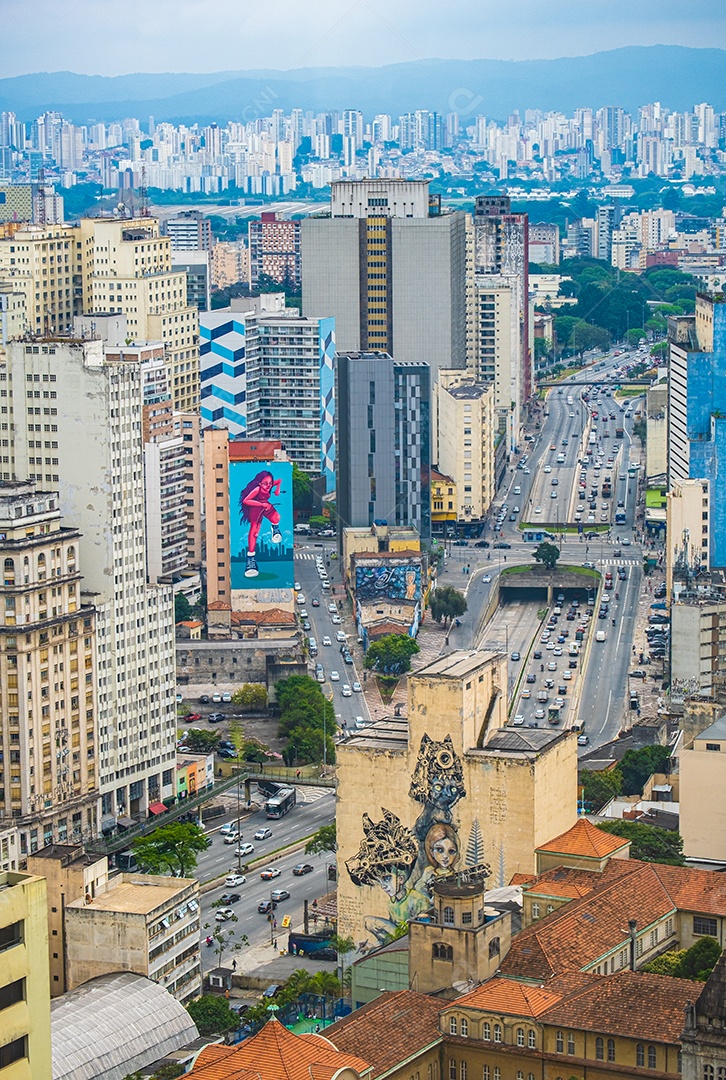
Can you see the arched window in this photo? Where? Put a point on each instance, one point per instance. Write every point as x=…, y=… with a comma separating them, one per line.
x=611, y=1049
x=439, y=951
x=497, y=1033
x=71, y=554
x=497, y=1073
x=531, y=1038
x=520, y=1036
x=494, y=947
x=486, y=1073
x=535, y=911
x=464, y=1027
x=452, y=1068
x=452, y=1025
x=599, y=1049
x=550, y=908
x=9, y=572
x=708, y=1072
x=462, y=1070
x=640, y=1055
x=520, y=1075
x=652, y=1059
x=486, y=1031
x=559, y=1042
x=448, y=916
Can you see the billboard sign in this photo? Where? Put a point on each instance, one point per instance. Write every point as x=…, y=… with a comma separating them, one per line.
x=261, y=525
x=401, y=582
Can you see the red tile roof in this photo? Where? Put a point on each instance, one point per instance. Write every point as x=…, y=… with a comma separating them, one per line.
x=585, y=839
x=510, y=997
x=269, y=617
x=389, y=1029
x=276, y=1054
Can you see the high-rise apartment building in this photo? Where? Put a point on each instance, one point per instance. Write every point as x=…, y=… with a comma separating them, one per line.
x=275, y=251
x=498, y=335
x=384, y=441
x=267, y=372
x=230, y=263
x=127, y=269
x=189, y=230
x=48, y=745
x=85, y=400
x=43, y=262
x=25, y=1049
x=390, y=266
x=195, y=264
x=465, y=429
x=697, y=407
x=187, y=426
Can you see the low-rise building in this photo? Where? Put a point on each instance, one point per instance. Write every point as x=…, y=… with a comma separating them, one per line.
x=444, y=503
x=703, y=795
x=141, y=923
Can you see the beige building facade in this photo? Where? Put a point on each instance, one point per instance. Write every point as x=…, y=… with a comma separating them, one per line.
x=446, y=789
x=465, y=430
x=703, y=795
x=25, y=1051
x=141, y=923
x=688, y=525
x=43, y=262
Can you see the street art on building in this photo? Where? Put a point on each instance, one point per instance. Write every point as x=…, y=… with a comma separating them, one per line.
x=401, y=582
x=261, y=525
x=405, y=862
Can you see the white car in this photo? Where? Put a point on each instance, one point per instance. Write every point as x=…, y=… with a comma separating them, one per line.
x=346, y=690
x=539, y=714
x=326, y=640
x=538, y=509
x=232, y=880
x=357, y=688
x=558, y=650
x=335, y=676
x=336, y=620
x=224, y=913
x=232, y=837
x=553, y=494
x=518, y=720
x=552, y=666
x=487, y=579
x=263, y=834
x=300, y=599
x=297, y=586
x=244, y=849
x=526, y=694
x=548, y=468
x=341, y=636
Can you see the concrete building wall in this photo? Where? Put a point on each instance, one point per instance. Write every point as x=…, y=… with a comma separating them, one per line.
x=703, y=801
x=687, y=530
x=465, y=438
x=657, y=431
x=331, y=276
x=50, y=287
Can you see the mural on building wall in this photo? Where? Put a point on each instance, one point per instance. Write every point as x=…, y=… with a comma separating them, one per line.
x=261, y=536
x=401, y=582
x=405, y=862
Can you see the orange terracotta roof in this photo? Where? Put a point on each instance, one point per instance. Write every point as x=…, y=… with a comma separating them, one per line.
x=509, y=996
x=703, y=891
x=269, y=617
x=385, y=628
x=218, y=605
x=276, y=1054
x=585, y=839
x=389, y=1029
x=191, y=623
x=520, y=879
x=633, y=1004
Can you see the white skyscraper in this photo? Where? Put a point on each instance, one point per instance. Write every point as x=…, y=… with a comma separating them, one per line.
x=81, y=432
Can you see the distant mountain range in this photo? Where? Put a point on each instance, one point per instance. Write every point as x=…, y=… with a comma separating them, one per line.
x=677, y=77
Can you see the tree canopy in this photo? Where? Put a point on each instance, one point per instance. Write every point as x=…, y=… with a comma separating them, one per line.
x=391, y=655
x=648, y=843
x=325, y=839
x=251, y=697
x=212, y=1015
x=547, y=554
x=695, y=963
x=307, y=721
x=446, y=604
x=638, y=765
x=173, y=847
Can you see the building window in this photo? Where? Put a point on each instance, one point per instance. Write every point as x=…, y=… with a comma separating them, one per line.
x=640, y=1055
x=652, y=1060
x=462, y=1070
x=486, y=1073
x=705, y=926
x=497, y=1033
x=494, y=947
x=520, y=1036
x=464, y=1027
x=439, y=951
x=448, y=916
x=708, y=1072
x=452, y=1068
x=12, y=993
x=10, y=936
x=570, y=1043
x=13, y=1051
x=452, y=1026
x=466, y=917
x=611, y=1049
x=654, y=938
x=497, y=1073
x=599, y=1049
x=535, y=911
x=486, y=1031
x=531, y=1038
x=559, y=1042
x=713, y=746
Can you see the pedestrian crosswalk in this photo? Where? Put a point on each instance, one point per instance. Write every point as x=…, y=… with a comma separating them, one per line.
x=624, y=561
x=304, y=555
x=311, y=794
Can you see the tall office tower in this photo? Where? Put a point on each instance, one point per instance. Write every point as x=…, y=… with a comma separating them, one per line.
x=48, y=207
x=48, y=745
x=544, y=243
x=465, y=443
x=612, y=127
x=51, y=288
x=126, y=268
x=195, y=264
x=697, y=408
x=384, y=441
x=275, y=251
x=13, y=323
x=280, y=382
x=607, y=219
x=189, y=230
x=96, y=404
x=501, y=265
x=188, y=427
x=230, y=264
x=353, y=127
x=498, y=348
x=391, y=268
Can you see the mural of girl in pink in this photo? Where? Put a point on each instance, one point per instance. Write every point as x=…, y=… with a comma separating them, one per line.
x=254, y=507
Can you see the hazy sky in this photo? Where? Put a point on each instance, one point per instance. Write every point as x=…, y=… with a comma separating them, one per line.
x=107, y=37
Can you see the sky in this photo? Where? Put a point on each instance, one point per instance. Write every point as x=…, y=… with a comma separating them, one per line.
x=104, y=37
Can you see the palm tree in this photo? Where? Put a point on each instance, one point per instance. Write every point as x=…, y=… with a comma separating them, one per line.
x=298, y=982
x=325, y=983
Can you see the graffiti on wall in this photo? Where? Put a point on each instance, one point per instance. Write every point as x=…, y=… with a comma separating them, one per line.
x=405, y=862
x=401, y=582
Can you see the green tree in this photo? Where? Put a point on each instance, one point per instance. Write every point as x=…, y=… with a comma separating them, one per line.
x=301, y=489
x=447, y=604
x=391, y=654
x=212, y=1015
x=667, y=963
x=182, y=608
x=308, y=745
x=325, y=839
x=635, y=336
x=547, y=554
x=585, y=336
x=251, y=697
x=700, y=960
x=638, y=765
x=647, y=842
x=201, y=742
x=598, y=788
x=173, y=848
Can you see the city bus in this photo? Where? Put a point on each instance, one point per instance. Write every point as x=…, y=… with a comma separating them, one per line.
x=281, y=803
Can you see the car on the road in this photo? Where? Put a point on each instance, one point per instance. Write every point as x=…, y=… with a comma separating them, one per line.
x=302, y=868
x=539, y=714
x=580, y=508
x=548, y=468
x=263, y=834
x=502, y=544
x=538, y=509
x=518, y=720
x=204, y=699
x=482, y=544
x=217, y=698
x=335, y=676
x=300, y=598
x=278, y=895
x=232, y=837
x=230, y=898
x=559, y=701
x=357, y=688
x=526, y=694
x=346, y=690
x=297, y=587
x=336, y=620
x=226, y=753
x=326, y=640
x=582, y=740
x=233, y=880
x=224, y=913
x=341, y=636
x=266, y=906
x=553, y=494
x=269, y=873
x=558, y=650
x=332, y=609
x=303, y=614
x=244, y=849
x=537, y=654
x=589, y=565
x=216, y=717
x=315, y=602
x=486, y=579
x=552, y=666
x=228, y=827
x=626, y=542
x=516, y=656
x=347, y=659
x=532, y=678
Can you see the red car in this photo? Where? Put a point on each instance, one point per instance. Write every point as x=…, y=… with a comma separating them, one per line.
x=193, y=716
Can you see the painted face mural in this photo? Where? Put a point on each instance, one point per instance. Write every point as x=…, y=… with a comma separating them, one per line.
x=437, y=782
x=386, y=855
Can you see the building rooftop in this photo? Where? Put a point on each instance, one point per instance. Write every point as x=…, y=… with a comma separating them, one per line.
x=586, y=840
x=717, y=730
x=504, y=995
x=389, y=1030
x=469, y=391
x=134, y=897
x=456, y=665
x=522, y=740
x=390, y=733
